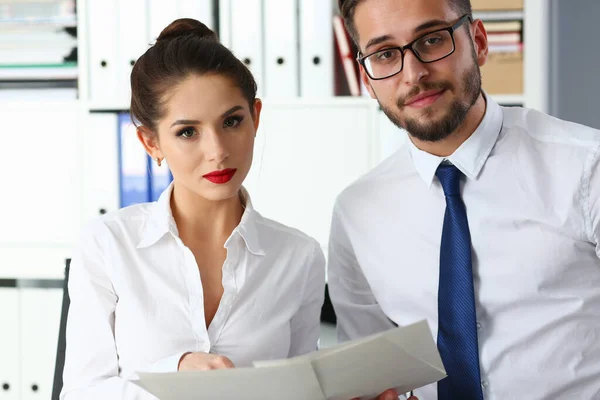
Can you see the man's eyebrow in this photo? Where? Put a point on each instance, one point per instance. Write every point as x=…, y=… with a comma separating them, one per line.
x=434, y=23
x=376, y=40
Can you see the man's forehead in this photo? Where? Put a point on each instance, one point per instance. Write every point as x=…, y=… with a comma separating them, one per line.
x=399, y=20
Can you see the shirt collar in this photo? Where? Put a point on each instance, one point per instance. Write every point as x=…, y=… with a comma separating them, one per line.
x=160, y=222
x=470, y=157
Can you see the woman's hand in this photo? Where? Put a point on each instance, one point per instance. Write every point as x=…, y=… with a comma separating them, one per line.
x=203, y=362
x=390, y=395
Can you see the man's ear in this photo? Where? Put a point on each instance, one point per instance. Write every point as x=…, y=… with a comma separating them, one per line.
x=480, y=41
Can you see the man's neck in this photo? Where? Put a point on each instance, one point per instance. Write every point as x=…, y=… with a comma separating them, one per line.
x=446, y=147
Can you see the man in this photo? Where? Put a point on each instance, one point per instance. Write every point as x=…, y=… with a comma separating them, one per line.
x=485, y=224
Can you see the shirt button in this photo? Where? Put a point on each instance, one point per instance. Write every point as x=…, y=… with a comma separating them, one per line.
x=479, y=326
x=484, y=384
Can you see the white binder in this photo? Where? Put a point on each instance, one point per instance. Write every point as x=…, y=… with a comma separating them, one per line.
x=103, y=41
x=99, y=165
x=160, y=14
x=281, y=49
x=132, y=44
x=202, y=10
x=245, y=36
x=316, y=49
x=10, y=387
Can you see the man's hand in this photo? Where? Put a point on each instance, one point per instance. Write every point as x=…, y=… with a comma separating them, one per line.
x=203, y=362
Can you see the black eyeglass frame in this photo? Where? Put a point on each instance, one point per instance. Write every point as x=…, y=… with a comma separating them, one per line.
x=451, y=29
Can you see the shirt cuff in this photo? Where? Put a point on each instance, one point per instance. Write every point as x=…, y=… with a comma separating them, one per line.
x=168, y=364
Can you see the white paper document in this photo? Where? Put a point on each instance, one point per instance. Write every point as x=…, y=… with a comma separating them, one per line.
x=404, y=358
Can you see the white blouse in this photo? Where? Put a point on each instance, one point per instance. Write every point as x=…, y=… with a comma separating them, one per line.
x=137, y=301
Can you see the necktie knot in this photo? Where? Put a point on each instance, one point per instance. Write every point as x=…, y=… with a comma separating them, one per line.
x=449, y=177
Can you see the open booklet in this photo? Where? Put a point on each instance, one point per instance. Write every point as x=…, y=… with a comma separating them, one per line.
x=404, y=358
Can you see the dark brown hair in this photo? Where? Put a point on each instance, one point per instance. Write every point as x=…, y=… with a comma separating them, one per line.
x=184, y=48
x=348, y=7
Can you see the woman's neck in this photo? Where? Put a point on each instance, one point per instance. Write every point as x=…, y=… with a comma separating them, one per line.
x=202, y=219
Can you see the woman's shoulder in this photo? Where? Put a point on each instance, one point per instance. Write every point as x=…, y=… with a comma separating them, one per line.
x=126, y=219
x=281, y=234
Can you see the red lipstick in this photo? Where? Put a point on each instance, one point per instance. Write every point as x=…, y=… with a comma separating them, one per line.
x=220, y=177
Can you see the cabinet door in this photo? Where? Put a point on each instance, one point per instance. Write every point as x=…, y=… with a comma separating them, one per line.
x=40, y=323
x=305, y=155
x=41, y=217
x=9, y=344
x=391, y=138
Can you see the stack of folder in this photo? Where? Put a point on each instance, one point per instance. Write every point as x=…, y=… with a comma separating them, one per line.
x=503, y=71
x=32, y=32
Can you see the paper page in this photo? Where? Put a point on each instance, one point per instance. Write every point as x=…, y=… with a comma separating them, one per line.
x=404, y=358
x=368, y=369
x=296, y=381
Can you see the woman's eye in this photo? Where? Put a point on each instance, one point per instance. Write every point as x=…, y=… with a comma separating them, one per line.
x=186, y=133
x=232, y=122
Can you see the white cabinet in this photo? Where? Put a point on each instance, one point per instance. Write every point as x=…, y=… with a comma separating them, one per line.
x=10, y=385
x=28, y=341
x=390, y=137
x=39, y=327
x=306, y=153
x=40, y=211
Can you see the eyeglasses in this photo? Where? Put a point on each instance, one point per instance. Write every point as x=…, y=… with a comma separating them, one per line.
x=428, y=48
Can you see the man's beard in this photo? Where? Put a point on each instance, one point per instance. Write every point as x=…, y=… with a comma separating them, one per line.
x=426, y=129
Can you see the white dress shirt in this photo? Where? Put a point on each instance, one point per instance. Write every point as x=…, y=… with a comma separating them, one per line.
x=137, y=302
x=532, y=195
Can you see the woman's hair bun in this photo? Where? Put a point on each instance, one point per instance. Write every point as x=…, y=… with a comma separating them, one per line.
x=185, y=27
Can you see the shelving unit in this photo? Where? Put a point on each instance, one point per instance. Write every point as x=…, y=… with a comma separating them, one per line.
x=499, y=15
x=68, y=187
x=52, y=72
x=53, y=22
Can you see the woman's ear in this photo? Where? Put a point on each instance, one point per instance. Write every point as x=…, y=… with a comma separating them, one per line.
x=149, y=140
x=256, y=114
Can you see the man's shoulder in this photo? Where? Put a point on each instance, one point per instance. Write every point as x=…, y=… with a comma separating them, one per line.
x=546, y=129
x=387, y=174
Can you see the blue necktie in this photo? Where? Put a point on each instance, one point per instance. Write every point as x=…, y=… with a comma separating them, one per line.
x=457, y=334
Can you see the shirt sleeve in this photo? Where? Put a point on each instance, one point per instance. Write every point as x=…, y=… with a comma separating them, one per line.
x=91, y=362
x=357, y=312
x=306, y=323
x=592, y=199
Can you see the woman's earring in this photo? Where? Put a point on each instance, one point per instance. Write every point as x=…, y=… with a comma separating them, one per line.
x=158, y=161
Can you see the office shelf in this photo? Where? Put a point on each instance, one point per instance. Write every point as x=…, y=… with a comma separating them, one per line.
x=509, y=99
x=68, y=71
x=499, y=15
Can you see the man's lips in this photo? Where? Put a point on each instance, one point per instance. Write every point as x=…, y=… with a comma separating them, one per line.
x=424, y=98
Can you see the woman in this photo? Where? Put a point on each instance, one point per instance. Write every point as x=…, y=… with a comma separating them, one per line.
x=197, y=280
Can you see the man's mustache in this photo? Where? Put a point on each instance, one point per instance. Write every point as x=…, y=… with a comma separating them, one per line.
x=415, y=90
